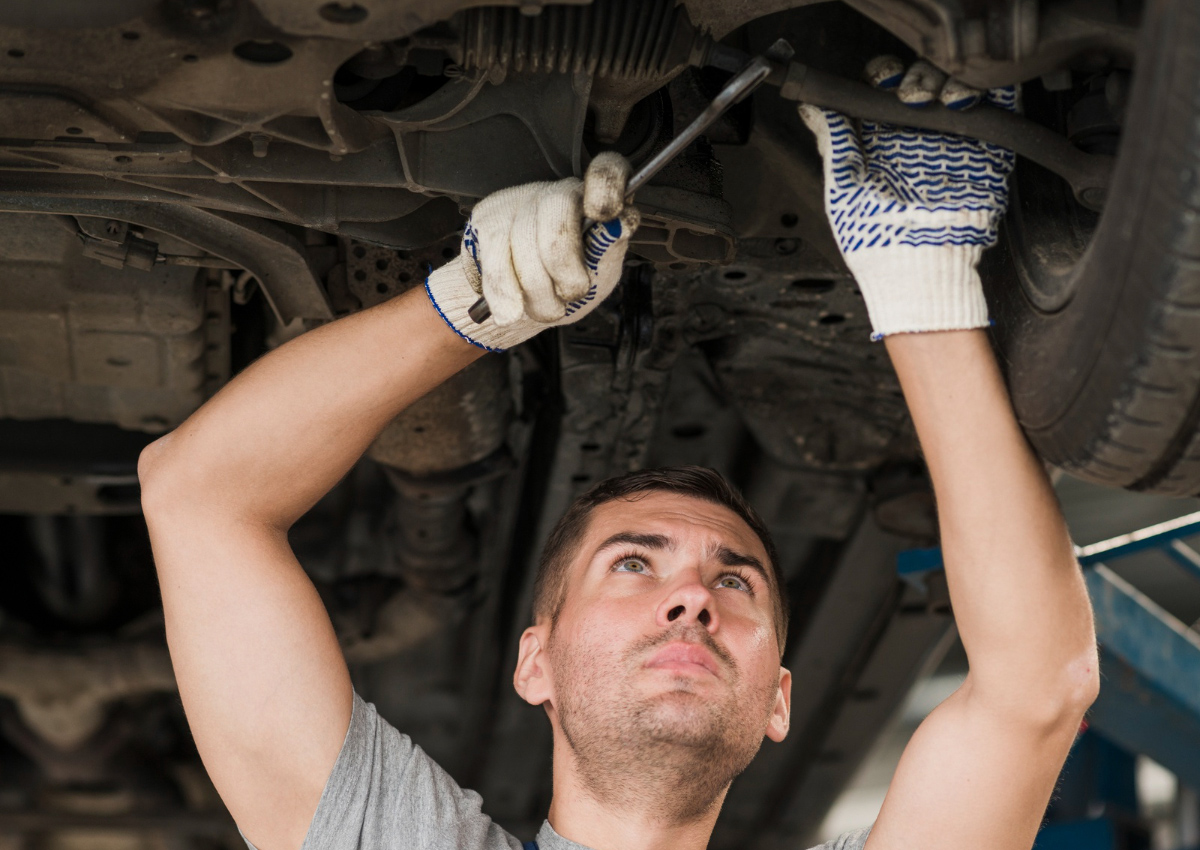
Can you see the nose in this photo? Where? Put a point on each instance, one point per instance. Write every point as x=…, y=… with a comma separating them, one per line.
x=688, y=600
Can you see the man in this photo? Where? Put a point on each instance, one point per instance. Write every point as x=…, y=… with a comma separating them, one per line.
x=659, y=621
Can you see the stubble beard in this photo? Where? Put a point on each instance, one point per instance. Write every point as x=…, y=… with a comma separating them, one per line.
x=671, y=755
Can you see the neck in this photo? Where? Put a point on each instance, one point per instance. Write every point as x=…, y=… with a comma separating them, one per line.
x=651, y=806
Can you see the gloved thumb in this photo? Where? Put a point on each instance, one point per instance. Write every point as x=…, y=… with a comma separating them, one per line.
x=604, y=186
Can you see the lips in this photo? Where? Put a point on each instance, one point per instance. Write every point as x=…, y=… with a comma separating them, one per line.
x=683, y=658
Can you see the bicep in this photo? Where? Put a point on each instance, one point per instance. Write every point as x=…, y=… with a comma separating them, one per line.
x=971, y=776
x=262, y=679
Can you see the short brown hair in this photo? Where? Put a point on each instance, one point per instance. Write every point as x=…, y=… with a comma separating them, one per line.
x=550, y=587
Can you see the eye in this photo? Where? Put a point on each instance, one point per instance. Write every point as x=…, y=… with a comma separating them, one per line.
x=630, y=565
x=733, y=581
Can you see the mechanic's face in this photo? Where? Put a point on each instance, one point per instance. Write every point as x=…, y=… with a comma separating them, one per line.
x=665, y=644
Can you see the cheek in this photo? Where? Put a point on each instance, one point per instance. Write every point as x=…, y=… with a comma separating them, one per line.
x=755, y=639
x=595, y=631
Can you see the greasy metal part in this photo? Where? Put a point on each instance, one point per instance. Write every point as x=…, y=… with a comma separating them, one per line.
x=55, y=493
x=64, y=695
x=141, y=120
x=682, y=228
x=404, y=620
x=272, y=254
x=378, y=20
x=95, y=344
x=434, y=452
x=461, y=422
x=636, y=39
x=995, y=44
x=431, y=534
x=749, y=78
x=629, y=48
x=1088, y=174
x=442, y=445
x=74, y=577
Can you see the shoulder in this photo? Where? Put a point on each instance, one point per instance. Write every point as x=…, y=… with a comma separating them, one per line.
x=848, y=841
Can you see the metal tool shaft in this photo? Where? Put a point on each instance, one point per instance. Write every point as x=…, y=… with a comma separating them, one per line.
x=744, y=82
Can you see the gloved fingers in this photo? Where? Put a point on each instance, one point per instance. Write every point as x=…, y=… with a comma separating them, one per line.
x=501, y=286
x=604, y=186
x=884, y=72
x=559, y=239
x=837, y=140
x=537, y=289
x=958, y=95
x=604, y=248
x=1005, y=97
x=921, y=85
x=468, y=256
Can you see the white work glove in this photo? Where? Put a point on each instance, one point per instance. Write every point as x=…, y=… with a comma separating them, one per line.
x=524, y=251
x=912, y=210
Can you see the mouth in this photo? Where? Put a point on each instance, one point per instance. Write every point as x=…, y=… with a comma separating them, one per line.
x=684, y=658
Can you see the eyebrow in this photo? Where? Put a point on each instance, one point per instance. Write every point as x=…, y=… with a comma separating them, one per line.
x=727, y=557
x=635, y=538
x=730, y=558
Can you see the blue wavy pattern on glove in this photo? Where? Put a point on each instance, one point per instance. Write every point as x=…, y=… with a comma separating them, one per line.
x=899, y=173
x=596, y=243
x=470, y=244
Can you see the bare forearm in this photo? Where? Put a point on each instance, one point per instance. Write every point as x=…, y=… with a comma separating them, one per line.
x=1019, y=600
x=288, y=428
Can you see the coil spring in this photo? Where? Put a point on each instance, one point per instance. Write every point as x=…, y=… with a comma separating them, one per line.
x=634, y=39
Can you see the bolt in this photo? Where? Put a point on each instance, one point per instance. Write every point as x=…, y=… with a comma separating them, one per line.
x=786, y=246
x=1093, y=198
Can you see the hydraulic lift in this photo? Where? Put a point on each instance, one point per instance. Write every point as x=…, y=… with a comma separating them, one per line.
x=1149, y=699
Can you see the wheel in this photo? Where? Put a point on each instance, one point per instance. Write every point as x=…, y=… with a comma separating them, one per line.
x=1098, y=317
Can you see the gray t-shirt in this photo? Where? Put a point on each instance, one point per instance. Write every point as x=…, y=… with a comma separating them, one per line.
x=385, y=793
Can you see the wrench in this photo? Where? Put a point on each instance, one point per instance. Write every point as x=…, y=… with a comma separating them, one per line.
x=745, y=81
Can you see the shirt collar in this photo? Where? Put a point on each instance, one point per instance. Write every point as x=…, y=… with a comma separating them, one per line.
x=548, y=839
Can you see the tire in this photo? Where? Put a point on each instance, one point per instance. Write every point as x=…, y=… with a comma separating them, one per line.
x=1100, y=336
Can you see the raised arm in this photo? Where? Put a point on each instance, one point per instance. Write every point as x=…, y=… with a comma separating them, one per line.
x=980, y=769
x=261, y=674
x=913, y=211
x=263, y=682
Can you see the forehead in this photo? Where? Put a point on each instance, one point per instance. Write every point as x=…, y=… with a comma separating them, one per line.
x=689, y=520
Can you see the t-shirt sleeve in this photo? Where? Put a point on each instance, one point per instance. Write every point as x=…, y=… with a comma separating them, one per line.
x=386, y=793
x=847, y=841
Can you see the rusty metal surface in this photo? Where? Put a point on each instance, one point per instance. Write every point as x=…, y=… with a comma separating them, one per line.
x=85, y=342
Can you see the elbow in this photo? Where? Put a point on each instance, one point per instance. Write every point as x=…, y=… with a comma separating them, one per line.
x=1081, y=681
x=1069, y=694
x=154, y=475
x=1051, y=702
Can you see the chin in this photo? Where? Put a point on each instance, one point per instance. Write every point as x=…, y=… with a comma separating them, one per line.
x=681, y=716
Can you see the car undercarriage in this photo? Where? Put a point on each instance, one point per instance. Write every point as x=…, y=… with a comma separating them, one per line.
x=187, y=184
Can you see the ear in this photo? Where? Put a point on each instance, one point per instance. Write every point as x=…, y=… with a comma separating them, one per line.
x=531, y=679
x=781, y=715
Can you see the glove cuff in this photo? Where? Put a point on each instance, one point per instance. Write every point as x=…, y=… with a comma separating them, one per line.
x=925, y=288
x=452, y=296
